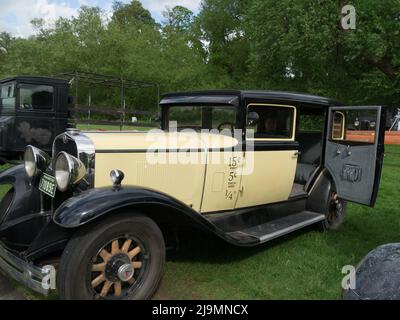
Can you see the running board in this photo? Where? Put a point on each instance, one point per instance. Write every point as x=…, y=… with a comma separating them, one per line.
x=278, y=227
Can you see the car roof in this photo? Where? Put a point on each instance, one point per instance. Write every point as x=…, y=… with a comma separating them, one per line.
x=195, y=97
x=45, y=80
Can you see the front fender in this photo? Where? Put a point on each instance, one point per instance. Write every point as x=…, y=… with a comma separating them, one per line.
x=25, y=199
x=94, y=203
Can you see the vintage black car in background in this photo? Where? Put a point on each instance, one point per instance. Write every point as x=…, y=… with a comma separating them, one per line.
x=33, y=110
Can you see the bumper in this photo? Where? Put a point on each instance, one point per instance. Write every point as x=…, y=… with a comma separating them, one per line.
x=22, y=271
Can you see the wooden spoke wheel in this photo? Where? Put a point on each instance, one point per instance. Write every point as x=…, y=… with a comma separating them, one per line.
x=121, y=257
x=117, y=267
x=335, y=212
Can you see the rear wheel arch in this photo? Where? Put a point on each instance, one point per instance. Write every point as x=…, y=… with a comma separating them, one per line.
x=324, y=198
x=332, y=178
x=319, y=193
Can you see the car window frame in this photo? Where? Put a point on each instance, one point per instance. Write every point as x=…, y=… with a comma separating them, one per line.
x=345, y=141
x=343, y=127
x=166, y=109
x=18, y=105
x=294, y=124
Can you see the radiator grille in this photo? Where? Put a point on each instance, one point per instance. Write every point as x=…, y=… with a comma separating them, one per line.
x=64, y=144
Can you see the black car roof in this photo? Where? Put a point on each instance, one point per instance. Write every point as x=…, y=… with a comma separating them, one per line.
x=35, y=79
x=194, y=96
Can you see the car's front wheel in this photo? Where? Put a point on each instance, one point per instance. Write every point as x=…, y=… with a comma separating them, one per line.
x=121, y=257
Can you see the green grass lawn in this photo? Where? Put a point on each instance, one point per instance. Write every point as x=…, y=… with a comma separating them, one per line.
x=303, y=265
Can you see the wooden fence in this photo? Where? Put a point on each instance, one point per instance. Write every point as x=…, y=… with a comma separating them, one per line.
x=87, y=115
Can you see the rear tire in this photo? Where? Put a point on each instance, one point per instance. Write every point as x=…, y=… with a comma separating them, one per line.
x=335, y=213
x=90, y=266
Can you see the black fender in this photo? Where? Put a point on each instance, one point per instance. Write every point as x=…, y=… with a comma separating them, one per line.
x=25, y=199
x=22, y=226
x=93, y=204
x=318, y=200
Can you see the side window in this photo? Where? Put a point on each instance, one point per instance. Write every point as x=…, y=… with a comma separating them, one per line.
x=223, y=118
x=207, y=117
x=36, y=97
x=185, y=117
x=356, y=126
x=274, y=122
x=338, y=126
x=7, y=96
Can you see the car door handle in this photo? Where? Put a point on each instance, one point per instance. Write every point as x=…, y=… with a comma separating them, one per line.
x=348, y=151
x=296, y=154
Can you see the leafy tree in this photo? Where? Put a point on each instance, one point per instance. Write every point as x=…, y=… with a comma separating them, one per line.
x=298, y=45
x=294, y=45
x=221, y=24
x=5, y=42
x=179, y=18
x=132, y=13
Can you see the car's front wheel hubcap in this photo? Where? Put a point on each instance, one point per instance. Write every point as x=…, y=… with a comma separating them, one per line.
x=125, y=272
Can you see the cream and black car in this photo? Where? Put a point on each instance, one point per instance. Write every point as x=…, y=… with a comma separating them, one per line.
x=246, y=166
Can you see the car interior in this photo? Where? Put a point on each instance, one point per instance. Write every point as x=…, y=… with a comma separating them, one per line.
x=309, y=135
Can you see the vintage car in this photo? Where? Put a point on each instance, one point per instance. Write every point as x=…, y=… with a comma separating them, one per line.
x=246, y=166
x=33, y=110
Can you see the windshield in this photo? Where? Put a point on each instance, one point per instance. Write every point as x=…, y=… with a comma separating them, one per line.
x=7, y=97
x=202, y=117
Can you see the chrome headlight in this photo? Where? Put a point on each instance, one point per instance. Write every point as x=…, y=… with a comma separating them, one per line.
x=68, y=171
x=35, y=161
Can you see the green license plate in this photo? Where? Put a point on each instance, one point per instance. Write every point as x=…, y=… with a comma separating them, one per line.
x=48, y=185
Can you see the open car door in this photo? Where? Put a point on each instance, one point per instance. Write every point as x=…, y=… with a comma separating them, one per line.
x=354, y=151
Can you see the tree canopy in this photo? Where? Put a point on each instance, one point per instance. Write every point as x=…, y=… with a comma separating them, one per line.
x=294, y=45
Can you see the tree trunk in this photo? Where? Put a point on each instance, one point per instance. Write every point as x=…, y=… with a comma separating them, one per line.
x=385, y=65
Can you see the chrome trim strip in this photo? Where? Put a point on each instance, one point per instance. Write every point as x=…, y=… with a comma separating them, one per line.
x=23, y=272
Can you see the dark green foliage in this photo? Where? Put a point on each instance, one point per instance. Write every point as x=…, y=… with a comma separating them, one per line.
x=133, y=13
x=294, y=45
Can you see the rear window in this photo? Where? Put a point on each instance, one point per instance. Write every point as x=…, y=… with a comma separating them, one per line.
x=35, y=97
